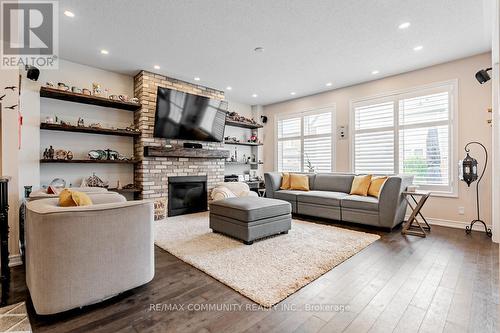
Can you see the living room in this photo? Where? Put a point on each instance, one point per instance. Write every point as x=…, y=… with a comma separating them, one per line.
x=236, y=166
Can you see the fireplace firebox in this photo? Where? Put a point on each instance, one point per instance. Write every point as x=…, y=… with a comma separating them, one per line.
x=187, y=194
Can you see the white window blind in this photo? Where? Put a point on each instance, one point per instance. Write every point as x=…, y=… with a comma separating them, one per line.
x=408, y=133
x=305, y=141
x=374, y=138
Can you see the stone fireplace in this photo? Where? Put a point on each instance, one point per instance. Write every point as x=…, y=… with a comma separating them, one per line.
x=153, y=173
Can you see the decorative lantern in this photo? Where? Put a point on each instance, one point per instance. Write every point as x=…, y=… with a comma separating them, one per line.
x=469, y=174
x=469, y=170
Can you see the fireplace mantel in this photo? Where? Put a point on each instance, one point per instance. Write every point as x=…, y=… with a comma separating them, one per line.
x=153, y=151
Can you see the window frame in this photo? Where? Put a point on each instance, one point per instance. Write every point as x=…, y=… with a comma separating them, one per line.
x=301, y=137
x=450, y=86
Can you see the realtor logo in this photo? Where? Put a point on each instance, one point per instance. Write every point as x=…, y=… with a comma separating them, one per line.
x=29, y=34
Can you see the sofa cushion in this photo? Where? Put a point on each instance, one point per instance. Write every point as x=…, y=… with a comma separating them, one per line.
x=249, y=209
x=360, y=185
x=334, y=182
x=299, y=182
x=285, y=181
x=360, y=202
x=326, y=198
x=288, y=195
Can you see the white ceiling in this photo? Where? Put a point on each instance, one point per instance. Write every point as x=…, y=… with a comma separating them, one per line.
x=307, y=42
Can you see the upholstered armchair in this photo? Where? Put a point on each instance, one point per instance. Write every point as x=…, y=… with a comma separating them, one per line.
x=77, y=256
x=231, y=190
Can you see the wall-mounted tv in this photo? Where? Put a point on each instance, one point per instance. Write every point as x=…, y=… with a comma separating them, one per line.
x=184, y=116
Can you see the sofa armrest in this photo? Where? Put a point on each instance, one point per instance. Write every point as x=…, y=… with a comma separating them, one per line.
x=273, y=183
x=392, y=205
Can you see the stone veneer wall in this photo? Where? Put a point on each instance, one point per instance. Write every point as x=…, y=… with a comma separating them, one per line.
x=152, y=173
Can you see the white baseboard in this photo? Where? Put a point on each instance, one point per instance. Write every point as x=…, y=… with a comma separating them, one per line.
x=15, y=260
x=454, y=224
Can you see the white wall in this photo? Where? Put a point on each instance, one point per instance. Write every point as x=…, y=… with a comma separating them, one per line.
x=474, y=100
x=9, y=151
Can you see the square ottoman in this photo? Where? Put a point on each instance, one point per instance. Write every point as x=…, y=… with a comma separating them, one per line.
x=250, y=218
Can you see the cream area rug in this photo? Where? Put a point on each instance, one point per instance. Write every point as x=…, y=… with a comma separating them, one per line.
x=269, y=270
x=14, y=318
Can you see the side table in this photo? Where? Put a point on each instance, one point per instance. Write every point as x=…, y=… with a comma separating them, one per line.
x=413, y=226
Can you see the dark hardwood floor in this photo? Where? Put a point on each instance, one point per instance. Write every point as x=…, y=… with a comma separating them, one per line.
x=447, y=282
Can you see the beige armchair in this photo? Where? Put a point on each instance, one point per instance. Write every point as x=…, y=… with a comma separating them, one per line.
x=77, y=256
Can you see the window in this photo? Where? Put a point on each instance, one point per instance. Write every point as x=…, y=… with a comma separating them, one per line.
x=305, y=141
x=410, y=133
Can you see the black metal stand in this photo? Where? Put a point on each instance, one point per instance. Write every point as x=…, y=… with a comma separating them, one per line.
x=4, y=239
x=468, y=229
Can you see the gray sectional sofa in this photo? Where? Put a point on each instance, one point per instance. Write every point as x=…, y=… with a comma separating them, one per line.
x=329, y=198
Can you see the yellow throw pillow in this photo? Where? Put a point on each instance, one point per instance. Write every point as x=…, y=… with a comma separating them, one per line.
x=299, y=182
x=81, y=199
x=65, y=199
x=360, y=185
x=376, y=185
x=285, y=181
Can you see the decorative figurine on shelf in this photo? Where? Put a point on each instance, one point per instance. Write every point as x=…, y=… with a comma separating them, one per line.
x=118, y=184
x=69, y=155
x=61, y=154
x=94, y=181
x=51, y=153
x=253, y=137
x=80, y=123
x=97, y=154
x=111, y=154
x=249, y=160
x=244, y=158
x=96, y=89
x=46, y=154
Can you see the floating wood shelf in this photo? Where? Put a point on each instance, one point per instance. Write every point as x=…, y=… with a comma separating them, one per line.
x=86, y=99
x=242, y=143
x=150, y=151
x=242, y=124
x=241, y=163
x=91, y=130
x=125, y=190
x=90, y=161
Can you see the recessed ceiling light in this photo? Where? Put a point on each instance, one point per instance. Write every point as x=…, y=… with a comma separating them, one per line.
x=254, y=95
x=329, y=84
x=229, y=88
x=404, y=25
x=418, y=48
x=104, y=52
x=197, y=79
x=293, y=93
x=156, y=67
x=375, y=72
x=68, y=13
x=259, y=49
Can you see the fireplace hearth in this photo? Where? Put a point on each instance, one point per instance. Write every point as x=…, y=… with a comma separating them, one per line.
x=187, y=194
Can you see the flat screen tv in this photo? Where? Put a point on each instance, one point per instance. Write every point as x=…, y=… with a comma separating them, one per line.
x=184, y=116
